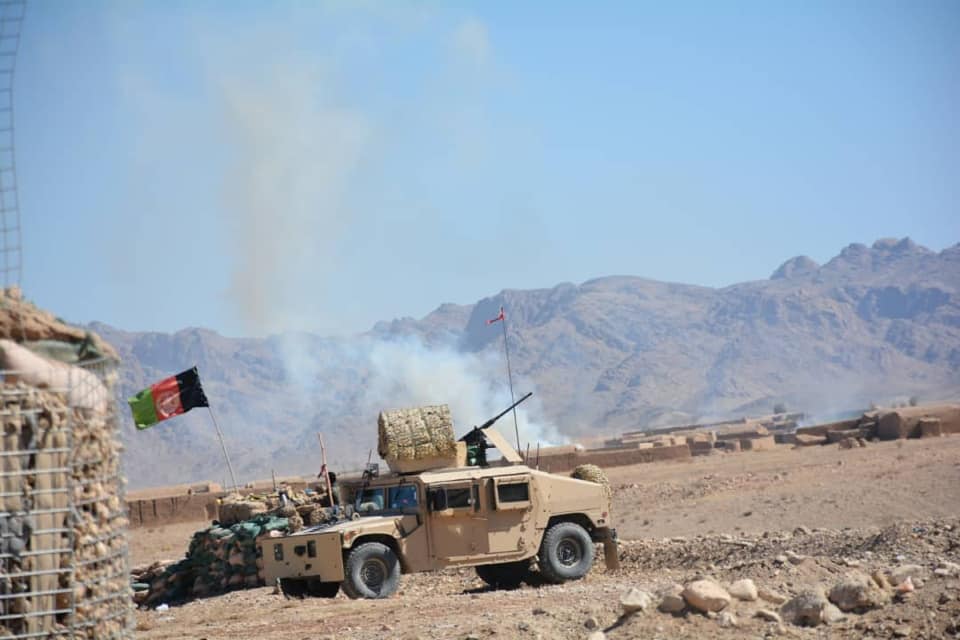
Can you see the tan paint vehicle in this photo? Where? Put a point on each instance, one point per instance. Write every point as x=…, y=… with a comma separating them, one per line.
x=502, y=520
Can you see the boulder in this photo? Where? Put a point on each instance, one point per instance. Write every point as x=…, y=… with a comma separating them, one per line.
x=831, y=614
x=726, y=619
x=805, y=609
x=671, y=599
x=769, y=616
x=635, y=600
x=706, y=595
x=858, y=592
x=901, y=573
x=744, y=589
x=771, y=596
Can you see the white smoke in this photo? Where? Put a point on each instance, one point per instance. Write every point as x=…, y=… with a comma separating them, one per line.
x=293, y=154
x=406, y=373
x=291, y=157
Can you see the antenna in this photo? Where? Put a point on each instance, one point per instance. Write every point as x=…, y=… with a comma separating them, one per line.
x=11, y=265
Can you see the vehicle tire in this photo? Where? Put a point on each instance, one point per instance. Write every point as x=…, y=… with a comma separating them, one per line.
x=371, y=570
x=319, y=589
x=293, y=587
x=508, y=575
x=566, y=552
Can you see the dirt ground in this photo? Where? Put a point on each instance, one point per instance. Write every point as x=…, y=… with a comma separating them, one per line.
x=726, y=516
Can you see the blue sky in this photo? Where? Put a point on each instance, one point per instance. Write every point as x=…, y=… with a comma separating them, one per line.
x=256, y=167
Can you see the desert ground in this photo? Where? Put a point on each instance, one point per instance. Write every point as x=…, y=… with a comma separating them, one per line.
x=789, y=519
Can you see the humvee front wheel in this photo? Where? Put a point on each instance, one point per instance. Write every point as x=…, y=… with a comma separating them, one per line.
x=566, y=552
x=372, y=570
x=508, y=575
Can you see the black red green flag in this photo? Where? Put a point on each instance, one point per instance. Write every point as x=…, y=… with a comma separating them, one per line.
x=167, y=398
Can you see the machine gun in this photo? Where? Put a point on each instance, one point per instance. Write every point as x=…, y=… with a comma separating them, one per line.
x=481, y=438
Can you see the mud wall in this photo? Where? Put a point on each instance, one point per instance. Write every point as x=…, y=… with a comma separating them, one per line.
x=612, y=457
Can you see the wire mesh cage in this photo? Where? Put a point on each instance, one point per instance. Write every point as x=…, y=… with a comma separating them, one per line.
x=64, y=569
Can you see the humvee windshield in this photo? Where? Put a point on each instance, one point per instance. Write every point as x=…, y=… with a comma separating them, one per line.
x=387, y=499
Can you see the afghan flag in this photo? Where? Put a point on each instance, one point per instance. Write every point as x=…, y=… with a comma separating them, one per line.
x=167, y=398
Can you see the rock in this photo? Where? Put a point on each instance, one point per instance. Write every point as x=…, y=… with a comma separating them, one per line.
x=906, y=586
x=671, y=600
x=831, y=614
x=795, y=558
x=769, y=616
x=743, y=589
x=951, y=568
x=901, y=632
x=771, y=596
x=941, y=572
x=706, y=595
x=726, y=619
x=881, y=580
x=597, y=635
x=591, y=623
x=905, y=571
x=635, y=600
x=780, y=559
x=858, y=592
x=805, y=609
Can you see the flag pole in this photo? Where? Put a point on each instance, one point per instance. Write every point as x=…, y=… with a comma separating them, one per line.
x=223, y=446
x=506, y=350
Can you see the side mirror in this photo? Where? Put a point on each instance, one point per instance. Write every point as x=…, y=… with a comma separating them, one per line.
x=438, y=499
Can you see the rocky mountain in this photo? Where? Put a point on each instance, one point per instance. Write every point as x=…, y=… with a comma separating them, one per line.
x=607, y=355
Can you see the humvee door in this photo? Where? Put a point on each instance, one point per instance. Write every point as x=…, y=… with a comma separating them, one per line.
x=457, y=524
x=510, y=500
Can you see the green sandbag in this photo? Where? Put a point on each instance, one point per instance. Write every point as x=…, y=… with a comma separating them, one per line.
x=274, y=524
x=246, y=530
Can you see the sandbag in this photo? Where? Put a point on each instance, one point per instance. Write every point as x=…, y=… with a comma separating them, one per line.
x=416, y=434
x=21, y=320
x=84, y=390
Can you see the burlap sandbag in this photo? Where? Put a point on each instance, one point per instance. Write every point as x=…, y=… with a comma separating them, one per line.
x=84, y=388
x=416, y=434
x=593, y=473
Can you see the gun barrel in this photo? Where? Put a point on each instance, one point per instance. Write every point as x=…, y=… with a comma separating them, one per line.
x=505, y=411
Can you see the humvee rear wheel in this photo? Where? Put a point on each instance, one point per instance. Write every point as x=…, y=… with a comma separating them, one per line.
x=372, y=570
x=320, y=589
x=508, y=575
x=566, y=552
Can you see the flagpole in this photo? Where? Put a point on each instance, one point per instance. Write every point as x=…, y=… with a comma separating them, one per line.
x=506, y=350
x=223, y=446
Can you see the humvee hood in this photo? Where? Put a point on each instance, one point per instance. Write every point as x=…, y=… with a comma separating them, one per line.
x=358, y=525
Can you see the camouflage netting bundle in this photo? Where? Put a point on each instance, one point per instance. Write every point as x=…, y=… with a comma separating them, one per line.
x=416, y=434
x=592, y=473
x=219, y=559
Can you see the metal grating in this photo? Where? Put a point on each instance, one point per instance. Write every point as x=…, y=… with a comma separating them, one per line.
x=11, y=20
x=64, y=568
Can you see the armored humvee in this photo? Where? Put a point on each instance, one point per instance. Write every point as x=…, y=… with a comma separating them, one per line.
x=500, y=518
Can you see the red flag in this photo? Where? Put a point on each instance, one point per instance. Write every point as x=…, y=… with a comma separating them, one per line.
x=499, y=317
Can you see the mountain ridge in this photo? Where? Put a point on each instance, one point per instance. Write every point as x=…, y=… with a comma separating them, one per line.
x=609, y=354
